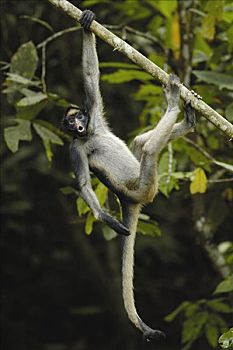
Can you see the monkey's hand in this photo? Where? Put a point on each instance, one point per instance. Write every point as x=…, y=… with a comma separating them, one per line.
x=114, y=224
x=86, y=19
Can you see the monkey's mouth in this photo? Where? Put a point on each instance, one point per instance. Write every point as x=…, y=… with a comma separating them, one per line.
x=81, y=129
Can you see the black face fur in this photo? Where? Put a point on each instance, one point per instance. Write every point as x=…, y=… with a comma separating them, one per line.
x=75, y=121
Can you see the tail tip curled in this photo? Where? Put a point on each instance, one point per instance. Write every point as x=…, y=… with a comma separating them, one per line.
x=149, y=336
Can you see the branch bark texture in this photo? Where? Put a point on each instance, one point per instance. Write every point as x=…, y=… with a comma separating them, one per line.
x=139, y=59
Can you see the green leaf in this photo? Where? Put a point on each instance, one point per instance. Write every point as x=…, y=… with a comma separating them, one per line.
x=19, y=79
x=30, y=112
x=170, y=317
x=225, y=286
x=219, y=79
x=31, y=100
x=150, y=228
x=48, y=137
x=226, y=339
x=208, y=27
x=81, y=206
x=59, y=100
x=165, y=7
x=214, y=13
x=201, y=47
x=211, y=333
x=89, y=223
x=101, y=193
x=123, y=76
x=24, y=61
x=14, y=134
x=147, y=91
x=219, y=306
x=164, y=164
x=219, y=321
x=166, y=181
x=69, y=190
x=224, y=246
x=199, y=182
x=108, y=233
x=192, y=327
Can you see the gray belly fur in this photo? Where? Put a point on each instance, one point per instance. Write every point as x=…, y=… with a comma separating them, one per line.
x=113, y=163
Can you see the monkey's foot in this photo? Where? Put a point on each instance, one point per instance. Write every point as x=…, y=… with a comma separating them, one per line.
x=86, y=19
x=172, y=91
x=189, y=111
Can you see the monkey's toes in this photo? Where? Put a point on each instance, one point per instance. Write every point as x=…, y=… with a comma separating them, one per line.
x=173, y=79
x=189, y=112
x=122, y=230
x=172, y=91
x=86, y=19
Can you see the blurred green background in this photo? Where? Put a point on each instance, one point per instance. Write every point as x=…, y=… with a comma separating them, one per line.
x=61, y=279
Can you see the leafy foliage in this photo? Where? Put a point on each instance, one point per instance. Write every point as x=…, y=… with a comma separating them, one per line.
x=199, y=182
x=201, y=318
x=14, y=134
x=195, y=175
x=226, y=339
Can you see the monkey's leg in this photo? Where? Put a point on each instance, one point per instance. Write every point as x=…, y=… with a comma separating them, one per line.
x=187, y=124
x=139, y=142
x=179, y=129
x=155, y=141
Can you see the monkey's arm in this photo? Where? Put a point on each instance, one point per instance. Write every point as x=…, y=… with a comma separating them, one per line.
x=80, y=165
x=91, y=74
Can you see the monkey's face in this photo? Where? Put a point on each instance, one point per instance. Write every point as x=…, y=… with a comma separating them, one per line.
x=76, y=121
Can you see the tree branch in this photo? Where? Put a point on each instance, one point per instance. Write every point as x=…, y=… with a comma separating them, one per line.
x=135, y=56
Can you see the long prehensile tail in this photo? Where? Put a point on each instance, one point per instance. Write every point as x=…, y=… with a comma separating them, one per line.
x=130, y=219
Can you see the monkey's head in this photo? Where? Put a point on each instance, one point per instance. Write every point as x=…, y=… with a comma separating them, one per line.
x=75, y=120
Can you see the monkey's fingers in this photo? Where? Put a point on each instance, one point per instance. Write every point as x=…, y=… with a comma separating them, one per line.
x=115, y=224
x=86, y=19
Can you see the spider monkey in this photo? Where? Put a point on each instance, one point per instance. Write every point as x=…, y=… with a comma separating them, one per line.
x=132, y=176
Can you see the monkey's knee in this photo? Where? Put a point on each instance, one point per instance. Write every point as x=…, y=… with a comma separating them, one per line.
x=137, y=146
x=138, y=142
x=150, y=150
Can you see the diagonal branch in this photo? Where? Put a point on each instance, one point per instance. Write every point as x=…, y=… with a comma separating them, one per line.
x=135, y=56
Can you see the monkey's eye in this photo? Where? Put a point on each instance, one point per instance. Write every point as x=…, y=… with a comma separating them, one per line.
x=71, y=121
x=80, y=117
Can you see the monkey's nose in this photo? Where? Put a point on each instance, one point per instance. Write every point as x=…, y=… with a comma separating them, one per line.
x=79, y=127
